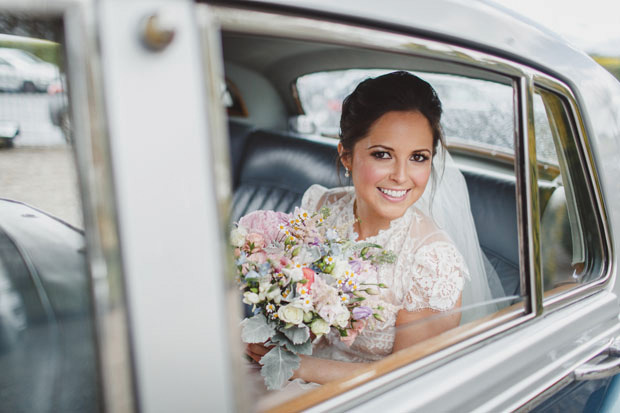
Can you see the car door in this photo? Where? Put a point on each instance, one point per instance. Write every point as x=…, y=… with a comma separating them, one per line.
x=534, y=349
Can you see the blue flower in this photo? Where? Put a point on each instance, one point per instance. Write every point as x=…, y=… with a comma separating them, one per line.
x=264, y=269
x=242, y=259
x=252, y=274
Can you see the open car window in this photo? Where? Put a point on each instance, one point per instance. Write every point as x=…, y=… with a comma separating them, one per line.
x=273, y=167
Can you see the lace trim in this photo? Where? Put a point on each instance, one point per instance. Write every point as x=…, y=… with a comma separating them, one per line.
x=439, y=274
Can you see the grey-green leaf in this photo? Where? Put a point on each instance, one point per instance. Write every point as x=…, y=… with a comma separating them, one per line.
x=278, y=366
x=282, y=340
x=256, y=329
x=298, y=335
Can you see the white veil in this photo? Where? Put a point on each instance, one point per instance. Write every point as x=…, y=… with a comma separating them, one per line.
x=446, y=200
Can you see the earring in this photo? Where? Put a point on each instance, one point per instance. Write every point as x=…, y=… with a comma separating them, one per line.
x=346, y=173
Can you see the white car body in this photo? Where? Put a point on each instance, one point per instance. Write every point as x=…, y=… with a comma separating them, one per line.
x=155, y=233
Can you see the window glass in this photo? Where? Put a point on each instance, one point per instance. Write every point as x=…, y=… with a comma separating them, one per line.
x=47, y=347
x=571, y=246
x=476, y=111
x=279, y=166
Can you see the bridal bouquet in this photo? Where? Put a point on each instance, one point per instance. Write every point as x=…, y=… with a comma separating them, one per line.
x=302, y=279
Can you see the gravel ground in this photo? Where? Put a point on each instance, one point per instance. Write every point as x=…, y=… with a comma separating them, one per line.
x=43, y=177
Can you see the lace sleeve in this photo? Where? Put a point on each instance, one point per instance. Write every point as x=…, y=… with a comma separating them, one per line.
x=437, y=276
x=313, y=198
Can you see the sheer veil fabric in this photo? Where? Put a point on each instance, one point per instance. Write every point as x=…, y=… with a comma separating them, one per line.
x=450, y=209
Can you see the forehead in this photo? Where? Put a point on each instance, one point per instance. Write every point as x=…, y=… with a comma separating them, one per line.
x=400, y=130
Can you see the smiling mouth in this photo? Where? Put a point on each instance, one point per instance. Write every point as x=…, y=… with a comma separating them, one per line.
x=394, y=193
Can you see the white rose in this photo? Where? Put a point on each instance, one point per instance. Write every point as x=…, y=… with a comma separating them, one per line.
x=275, y=293
x=340, y=268
x=237, y=237
x=291, y=314
x=295, y=274
x=342, y=318
x=319, y=327
x=250, y=298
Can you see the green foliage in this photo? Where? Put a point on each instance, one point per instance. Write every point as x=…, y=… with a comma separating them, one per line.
x=612, y=64
x=257, y=329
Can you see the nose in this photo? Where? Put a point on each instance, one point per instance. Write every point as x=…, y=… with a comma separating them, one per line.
x=399, y=172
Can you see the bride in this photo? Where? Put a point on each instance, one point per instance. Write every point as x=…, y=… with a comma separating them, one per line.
x=407, y=198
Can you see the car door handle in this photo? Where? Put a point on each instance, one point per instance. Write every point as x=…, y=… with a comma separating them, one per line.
x=593, y=370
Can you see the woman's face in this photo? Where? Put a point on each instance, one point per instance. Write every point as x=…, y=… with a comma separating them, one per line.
x=390, y=167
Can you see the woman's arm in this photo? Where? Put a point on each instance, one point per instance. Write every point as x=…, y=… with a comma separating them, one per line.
x=311, y=369
x=410, y=330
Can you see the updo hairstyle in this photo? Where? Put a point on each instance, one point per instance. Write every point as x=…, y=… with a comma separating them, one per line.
x=393, y=92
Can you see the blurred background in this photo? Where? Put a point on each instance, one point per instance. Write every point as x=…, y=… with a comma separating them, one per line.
x=592, y=26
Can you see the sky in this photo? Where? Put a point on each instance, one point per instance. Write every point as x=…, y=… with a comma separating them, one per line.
x=591, y=25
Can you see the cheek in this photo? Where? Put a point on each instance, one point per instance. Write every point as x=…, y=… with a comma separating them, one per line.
x=369, y=173
x=420, y=176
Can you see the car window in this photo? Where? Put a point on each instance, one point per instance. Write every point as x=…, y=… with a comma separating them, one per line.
x=475, y=111
x=48, y=355
x=278, y=165
x=571, y=246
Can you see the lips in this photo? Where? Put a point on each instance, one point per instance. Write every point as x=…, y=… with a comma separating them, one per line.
x=394, y=193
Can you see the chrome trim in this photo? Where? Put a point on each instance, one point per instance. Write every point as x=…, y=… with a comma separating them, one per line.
x=408, y=372
x=220, y=159
x=563, y=379
x=592, y=180
x=302, y=28
x=92, y=152
x=528, y=208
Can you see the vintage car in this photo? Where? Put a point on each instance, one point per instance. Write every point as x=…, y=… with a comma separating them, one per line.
x=186, y=116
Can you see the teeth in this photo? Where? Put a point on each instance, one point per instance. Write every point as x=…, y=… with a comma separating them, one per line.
x=394, y=194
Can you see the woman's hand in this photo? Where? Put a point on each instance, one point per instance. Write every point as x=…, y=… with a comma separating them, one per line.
x=256, y=351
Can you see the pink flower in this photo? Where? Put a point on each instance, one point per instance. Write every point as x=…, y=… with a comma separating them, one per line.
x=266, y=223
x=256, y=239
x=258, y=257
x=352, y=333
x=308, y=275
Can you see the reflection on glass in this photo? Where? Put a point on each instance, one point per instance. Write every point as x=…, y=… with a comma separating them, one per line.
x=570, y=240
x=47, y=346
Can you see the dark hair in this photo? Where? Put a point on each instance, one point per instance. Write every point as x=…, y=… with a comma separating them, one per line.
x=393, y=92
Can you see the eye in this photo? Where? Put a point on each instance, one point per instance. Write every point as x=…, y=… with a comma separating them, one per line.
x=381, y=155
x=419, y=157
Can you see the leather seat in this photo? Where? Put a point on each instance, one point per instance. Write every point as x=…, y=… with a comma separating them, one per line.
x=277, y=168
x=494, y=207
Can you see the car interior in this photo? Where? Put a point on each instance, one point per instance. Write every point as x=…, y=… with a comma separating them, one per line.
x=273, y=164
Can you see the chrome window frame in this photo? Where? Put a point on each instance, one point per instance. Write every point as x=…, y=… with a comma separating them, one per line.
x=587, y=165
x=92, y=156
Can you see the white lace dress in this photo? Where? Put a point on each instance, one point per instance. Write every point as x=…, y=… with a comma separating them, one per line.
x=429, y=272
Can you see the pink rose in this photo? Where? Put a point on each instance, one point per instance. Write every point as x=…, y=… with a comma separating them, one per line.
x=357, y=327
x=258, y=257
x=265, y=223
x=257, y=240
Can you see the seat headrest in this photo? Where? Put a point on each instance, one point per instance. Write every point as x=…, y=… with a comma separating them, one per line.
x=290, y=162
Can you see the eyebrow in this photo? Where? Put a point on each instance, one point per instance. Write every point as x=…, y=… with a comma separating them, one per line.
x=392, y=149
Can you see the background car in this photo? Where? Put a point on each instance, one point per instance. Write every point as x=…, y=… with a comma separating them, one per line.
x=147, y=284
x=23, y=71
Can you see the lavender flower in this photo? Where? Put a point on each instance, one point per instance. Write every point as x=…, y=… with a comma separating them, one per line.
x=362, y=312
